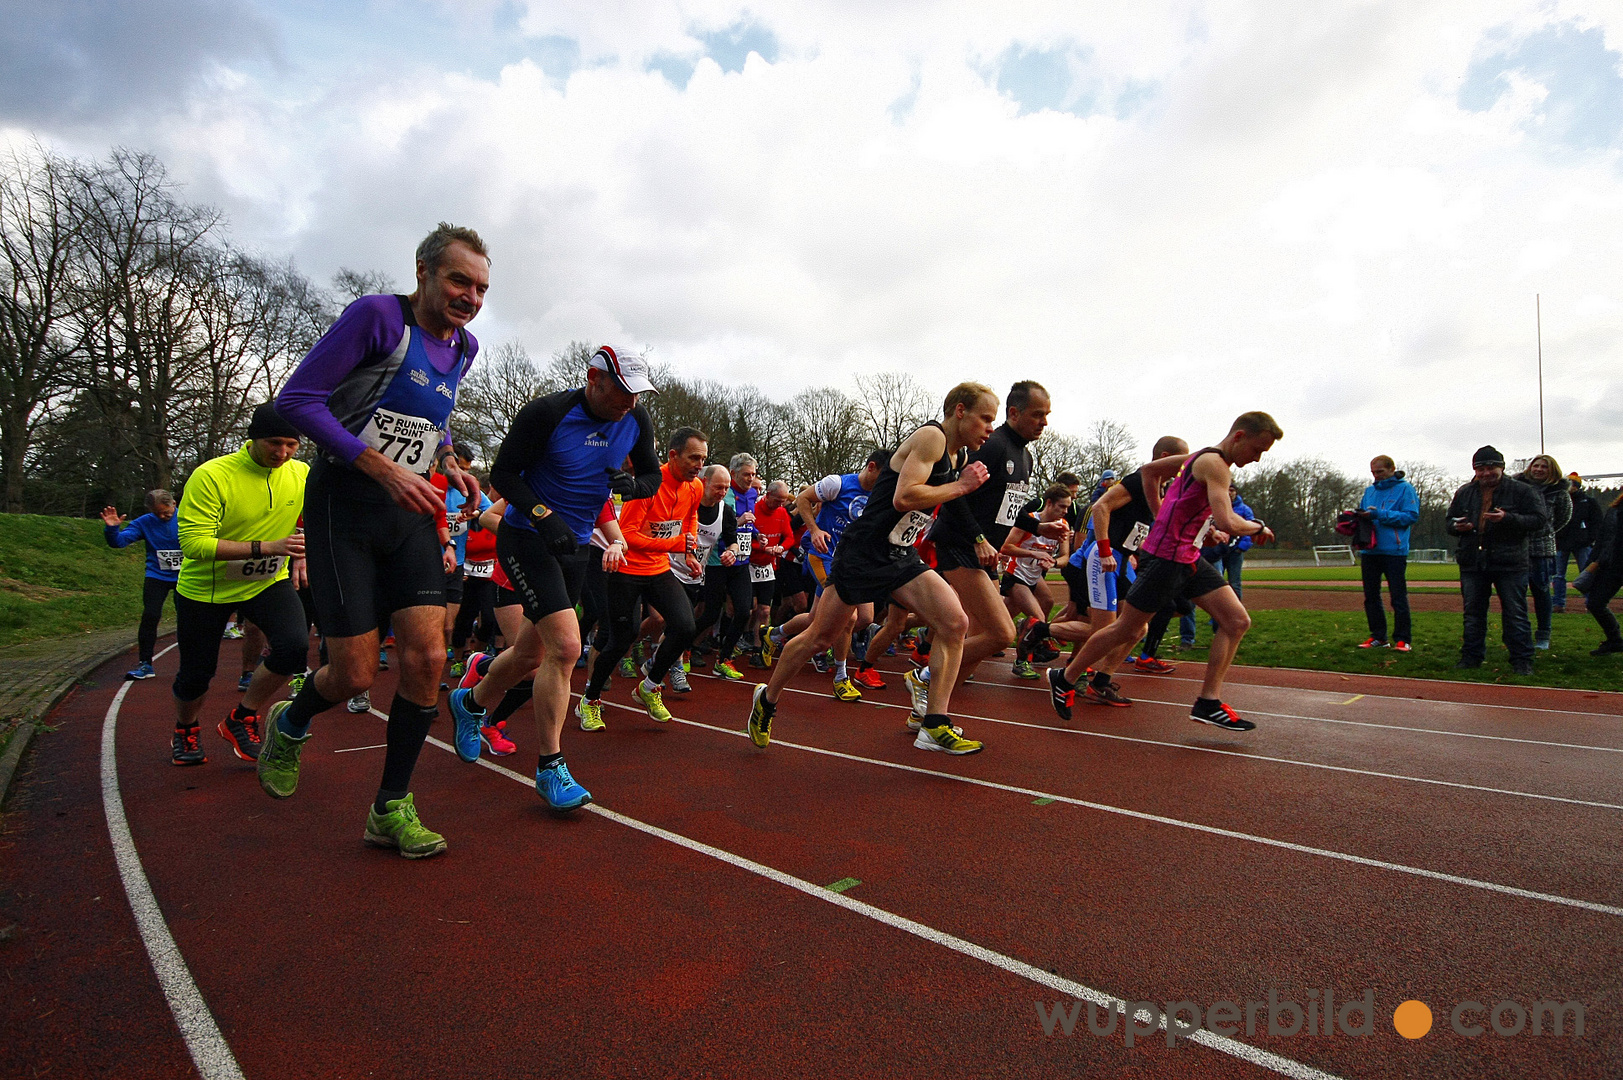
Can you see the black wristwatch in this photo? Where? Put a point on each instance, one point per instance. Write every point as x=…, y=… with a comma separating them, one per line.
x=253, y=548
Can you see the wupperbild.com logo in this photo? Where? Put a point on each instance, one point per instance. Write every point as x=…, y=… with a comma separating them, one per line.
x=1324, y=1013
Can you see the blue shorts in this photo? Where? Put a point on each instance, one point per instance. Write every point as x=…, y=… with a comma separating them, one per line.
x=1103, y=584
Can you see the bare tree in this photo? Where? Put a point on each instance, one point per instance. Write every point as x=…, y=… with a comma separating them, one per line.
x=351, y=285
x=41, y=225
x=502, y=382
x=1108, y=445
x=1055, y=453
x=828, y=436
x=891, y=405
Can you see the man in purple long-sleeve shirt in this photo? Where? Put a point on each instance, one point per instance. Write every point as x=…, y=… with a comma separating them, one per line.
x=375, y=393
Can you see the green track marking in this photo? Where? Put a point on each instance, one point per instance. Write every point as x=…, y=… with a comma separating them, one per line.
x=843, y=884
x=1041, y=802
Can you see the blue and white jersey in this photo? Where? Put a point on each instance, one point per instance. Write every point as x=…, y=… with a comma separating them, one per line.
x=843, y=501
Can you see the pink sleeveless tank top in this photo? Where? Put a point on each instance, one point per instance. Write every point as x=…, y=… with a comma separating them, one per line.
x=1186, y=511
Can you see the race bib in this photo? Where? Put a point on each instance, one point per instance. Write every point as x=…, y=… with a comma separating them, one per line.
x=262, y=569
x=907, y=531
x=457, y=527
x=168, y=559
x=763, y=573
x=1014, y=497
x=664, y=530
x=1136, y=536
x=482, y=569
x=1200, y=537
x=408, y=441
x=744, y=539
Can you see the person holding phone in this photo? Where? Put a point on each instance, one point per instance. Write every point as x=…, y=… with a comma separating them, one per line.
x=1493, y=516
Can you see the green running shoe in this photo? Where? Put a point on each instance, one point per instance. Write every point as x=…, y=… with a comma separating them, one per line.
x=652, y=700
x=727, y=671
x=1023, y=669
x=278, y=762
x=627, y=668
x=400, y=829
x=591, y=715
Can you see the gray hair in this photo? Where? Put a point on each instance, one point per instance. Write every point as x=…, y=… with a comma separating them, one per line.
x=740, y=460
x=431, y=252
x=159, y=497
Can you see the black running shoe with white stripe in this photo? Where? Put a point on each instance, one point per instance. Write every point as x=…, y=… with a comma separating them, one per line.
x=1063, y=699
x=1211, y=711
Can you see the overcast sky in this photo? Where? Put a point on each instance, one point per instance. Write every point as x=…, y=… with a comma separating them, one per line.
x=1168, y=213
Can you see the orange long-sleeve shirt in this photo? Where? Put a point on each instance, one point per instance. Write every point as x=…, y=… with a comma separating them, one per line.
x=660, y=524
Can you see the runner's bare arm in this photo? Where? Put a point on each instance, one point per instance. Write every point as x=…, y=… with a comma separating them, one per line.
x=808, y=505
x=918, y=453
x=1156, y=473
x=1213, y=471
x=1115, y=498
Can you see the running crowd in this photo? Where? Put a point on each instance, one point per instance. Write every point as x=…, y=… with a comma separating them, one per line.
x=595, y=544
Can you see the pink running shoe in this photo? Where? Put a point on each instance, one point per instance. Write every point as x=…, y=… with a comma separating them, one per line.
x=478, y=663
x=500, y=745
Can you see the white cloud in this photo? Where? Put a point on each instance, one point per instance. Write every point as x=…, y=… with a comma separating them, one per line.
x=1300, y=217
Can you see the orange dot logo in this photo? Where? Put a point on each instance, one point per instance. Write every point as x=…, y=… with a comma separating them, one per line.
x=1412, y=1019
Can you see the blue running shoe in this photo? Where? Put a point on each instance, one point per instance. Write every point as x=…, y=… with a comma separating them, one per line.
x=467, y=726
x=143, y=670
x=244, y=682
x=555, y=785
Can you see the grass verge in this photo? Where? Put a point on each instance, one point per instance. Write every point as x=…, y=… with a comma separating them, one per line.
x=58, y=577
x=1328, y=641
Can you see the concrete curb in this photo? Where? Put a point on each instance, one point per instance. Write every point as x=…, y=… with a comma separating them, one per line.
x=29, y=724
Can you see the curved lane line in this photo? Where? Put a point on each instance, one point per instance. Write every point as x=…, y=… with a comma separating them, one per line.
x=209, y=1050
x=1075, y=990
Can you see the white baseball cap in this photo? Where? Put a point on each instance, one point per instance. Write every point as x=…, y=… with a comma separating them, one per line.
x=628, y=369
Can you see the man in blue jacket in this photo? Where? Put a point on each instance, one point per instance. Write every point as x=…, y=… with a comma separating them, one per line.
x=1392, y=505
x=158, y=528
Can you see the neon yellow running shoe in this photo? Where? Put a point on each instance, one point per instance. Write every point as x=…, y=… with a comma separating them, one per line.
x=591, y=715
x=768, y=649
x=727, y=671
x=944, y=738
x=761, y=710
x=652, y=700
x=400, y=829
x=846, y=690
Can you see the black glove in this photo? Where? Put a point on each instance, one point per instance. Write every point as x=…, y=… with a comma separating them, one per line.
x=622, y=483
x=556, y=535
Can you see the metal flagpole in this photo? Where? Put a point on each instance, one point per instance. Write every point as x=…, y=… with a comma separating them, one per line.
x=1538, y=319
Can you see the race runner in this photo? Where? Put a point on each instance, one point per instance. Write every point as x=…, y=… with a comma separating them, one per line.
x=1170, y=566
x=375, y=393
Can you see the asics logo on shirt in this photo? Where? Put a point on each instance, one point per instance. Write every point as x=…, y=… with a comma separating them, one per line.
x=446, y=390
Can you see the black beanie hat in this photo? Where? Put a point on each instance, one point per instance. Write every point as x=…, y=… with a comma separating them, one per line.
x=268, y=424
x=1487, y=456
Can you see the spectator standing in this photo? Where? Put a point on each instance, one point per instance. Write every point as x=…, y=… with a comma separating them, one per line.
x=1544, y=476
x=1573, y=543
x=158, y=528
x=1606, y=574
x=1392, y=506
x=1493, y=516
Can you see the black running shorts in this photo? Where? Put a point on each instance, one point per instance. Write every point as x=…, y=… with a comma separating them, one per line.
x=367, y=556
x=544, y=582
x=453, y=586
x=953, y=554
x=860, y=578
x=1161, y=581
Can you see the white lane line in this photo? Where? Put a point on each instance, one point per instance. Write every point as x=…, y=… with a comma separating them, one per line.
x=1211, y=830
x=1314, y=690
x=1357, y=723
x=353, y=749
x=1254, y=757
x=210, y=1052
x=1074, y=990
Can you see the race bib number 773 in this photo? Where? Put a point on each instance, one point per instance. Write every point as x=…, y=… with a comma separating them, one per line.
x=408, y=441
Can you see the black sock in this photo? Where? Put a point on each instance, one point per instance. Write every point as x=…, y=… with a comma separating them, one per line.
x=408, y=727
x=1101, y=680
x=307, y=704
x=241, y=713
x=1209, y=702
x=384, y=797
x=512, y=701
x=935, y=719
x=546, y=761
x=1058, y=675
x=863, y=665
x=483, y=666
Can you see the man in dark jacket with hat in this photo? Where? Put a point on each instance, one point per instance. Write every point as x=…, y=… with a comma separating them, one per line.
x=1493, y=516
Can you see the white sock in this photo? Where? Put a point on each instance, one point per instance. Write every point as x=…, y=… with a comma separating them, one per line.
x=839, y=670
x=648, y=687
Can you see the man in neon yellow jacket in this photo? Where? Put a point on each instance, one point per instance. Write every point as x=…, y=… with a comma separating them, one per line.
x=238, y=523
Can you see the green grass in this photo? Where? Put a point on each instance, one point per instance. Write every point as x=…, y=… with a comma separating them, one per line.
x=1328, y=641
x=1260, y=571
x=58, y=576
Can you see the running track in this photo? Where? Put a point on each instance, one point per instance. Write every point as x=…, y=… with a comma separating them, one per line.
x=1460, y=845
